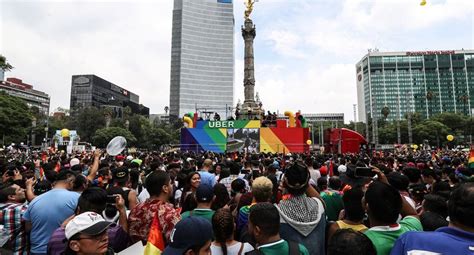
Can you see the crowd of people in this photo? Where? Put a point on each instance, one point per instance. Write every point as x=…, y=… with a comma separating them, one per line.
x=236, y=203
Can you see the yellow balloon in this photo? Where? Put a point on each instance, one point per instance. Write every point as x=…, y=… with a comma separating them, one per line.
x=65, y=132
x=450, y=137
x=423, y=3
x=415, y=146
x=309, y=142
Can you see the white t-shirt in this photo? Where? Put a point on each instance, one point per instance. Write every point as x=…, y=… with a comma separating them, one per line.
x=231, y=250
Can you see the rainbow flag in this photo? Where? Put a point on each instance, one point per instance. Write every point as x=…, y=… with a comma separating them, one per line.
x=155, y=244
x=470, y=162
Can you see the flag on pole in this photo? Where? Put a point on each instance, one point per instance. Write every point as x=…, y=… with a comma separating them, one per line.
x=155, y=244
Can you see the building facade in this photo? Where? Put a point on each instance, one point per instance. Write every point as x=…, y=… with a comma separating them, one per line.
x=202, y=56
x=392, y=84
x=33, y=98
x=92, y=91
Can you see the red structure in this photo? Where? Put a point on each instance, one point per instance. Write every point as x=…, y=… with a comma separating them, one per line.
x=19, y=84
x=342, y=140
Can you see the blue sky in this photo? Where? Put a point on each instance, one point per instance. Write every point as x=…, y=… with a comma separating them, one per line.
x=306, y=50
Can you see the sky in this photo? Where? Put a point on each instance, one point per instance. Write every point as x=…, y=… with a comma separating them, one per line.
x=305, y=50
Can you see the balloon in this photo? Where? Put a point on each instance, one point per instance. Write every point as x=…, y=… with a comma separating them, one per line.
x=65, y=132
x=309, y=142
x=450, y=137
x=423, y=2
x=415, y=146
x=116, y=145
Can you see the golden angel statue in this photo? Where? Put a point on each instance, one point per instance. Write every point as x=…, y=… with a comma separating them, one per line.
x=249, y=4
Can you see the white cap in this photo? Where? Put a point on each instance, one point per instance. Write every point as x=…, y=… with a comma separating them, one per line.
x=342, y=169
x=74, y=161
x=129, y=157
x=89, y=223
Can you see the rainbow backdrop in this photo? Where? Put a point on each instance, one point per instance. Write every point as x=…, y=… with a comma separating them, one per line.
x=213, y=136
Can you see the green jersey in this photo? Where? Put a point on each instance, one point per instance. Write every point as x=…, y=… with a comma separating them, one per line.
x=280, y=248
x=384, y=237
x=205, y=213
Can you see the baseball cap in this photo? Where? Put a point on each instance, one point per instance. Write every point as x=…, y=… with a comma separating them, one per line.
x=119, y=157
x=189, y=232
x=74, y=161
x=138, y=161
x=89, y=223
x=204, y=193
x=120, y=173
x=342, y=169
x=323, y=170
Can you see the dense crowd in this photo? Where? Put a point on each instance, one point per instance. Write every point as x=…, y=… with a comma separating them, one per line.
x=206, y=203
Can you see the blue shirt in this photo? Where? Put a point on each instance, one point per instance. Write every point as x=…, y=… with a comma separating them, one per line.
x=207, y=178
x=445, y=240
x=46, y=213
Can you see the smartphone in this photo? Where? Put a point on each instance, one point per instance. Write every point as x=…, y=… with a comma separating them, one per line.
x=111, y=199
x=364, y=172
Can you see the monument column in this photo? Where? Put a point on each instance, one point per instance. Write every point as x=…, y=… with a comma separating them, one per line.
x=248, y=33
x=250, y=109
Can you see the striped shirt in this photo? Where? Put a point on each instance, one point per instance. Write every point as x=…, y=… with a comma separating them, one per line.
x=14, y=226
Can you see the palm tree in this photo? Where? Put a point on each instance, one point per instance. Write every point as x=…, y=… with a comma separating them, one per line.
x=429, y=96
x=385, y=112
x=4, y=65
x=464, y=98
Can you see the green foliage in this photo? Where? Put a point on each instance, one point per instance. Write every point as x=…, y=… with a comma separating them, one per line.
x=86, y=121
x=431, y=130
x=90, y=125
x=434, y=129
x=103, y=136
x=4, y=65
x=452, y=120
x=15, y=119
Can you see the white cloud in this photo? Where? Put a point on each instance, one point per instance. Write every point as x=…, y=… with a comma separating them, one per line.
x=305, y=49
x=332, y=41
x=127, y=43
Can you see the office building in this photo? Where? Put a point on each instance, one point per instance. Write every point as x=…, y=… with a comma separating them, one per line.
x=159, y=118
x=392, y=84
x=202, y=57
x=33, y=98
x=92, y=91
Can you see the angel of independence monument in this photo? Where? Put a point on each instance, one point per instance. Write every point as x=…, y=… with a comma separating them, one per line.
x=250, y=109
x=248, y=133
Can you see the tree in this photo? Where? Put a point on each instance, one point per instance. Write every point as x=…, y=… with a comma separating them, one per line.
x=455, y=122
x=430, y=96
x=15, y=119
x=86, y=121
x=103, y=136
x=4, y=65
x=430, y=130
x=385, y=112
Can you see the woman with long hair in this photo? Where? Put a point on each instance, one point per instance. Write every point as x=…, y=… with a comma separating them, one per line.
x=221, y=196
x=188, y=201
x=223, y=225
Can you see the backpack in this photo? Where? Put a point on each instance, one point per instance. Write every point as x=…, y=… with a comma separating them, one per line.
x=293, y=249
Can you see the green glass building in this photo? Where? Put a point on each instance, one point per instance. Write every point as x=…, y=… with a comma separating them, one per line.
x=391, y=84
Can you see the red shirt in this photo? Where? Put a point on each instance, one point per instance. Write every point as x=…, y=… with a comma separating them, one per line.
x=141, y=217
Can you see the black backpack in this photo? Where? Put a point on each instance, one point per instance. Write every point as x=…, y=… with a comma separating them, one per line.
x=293, y=249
